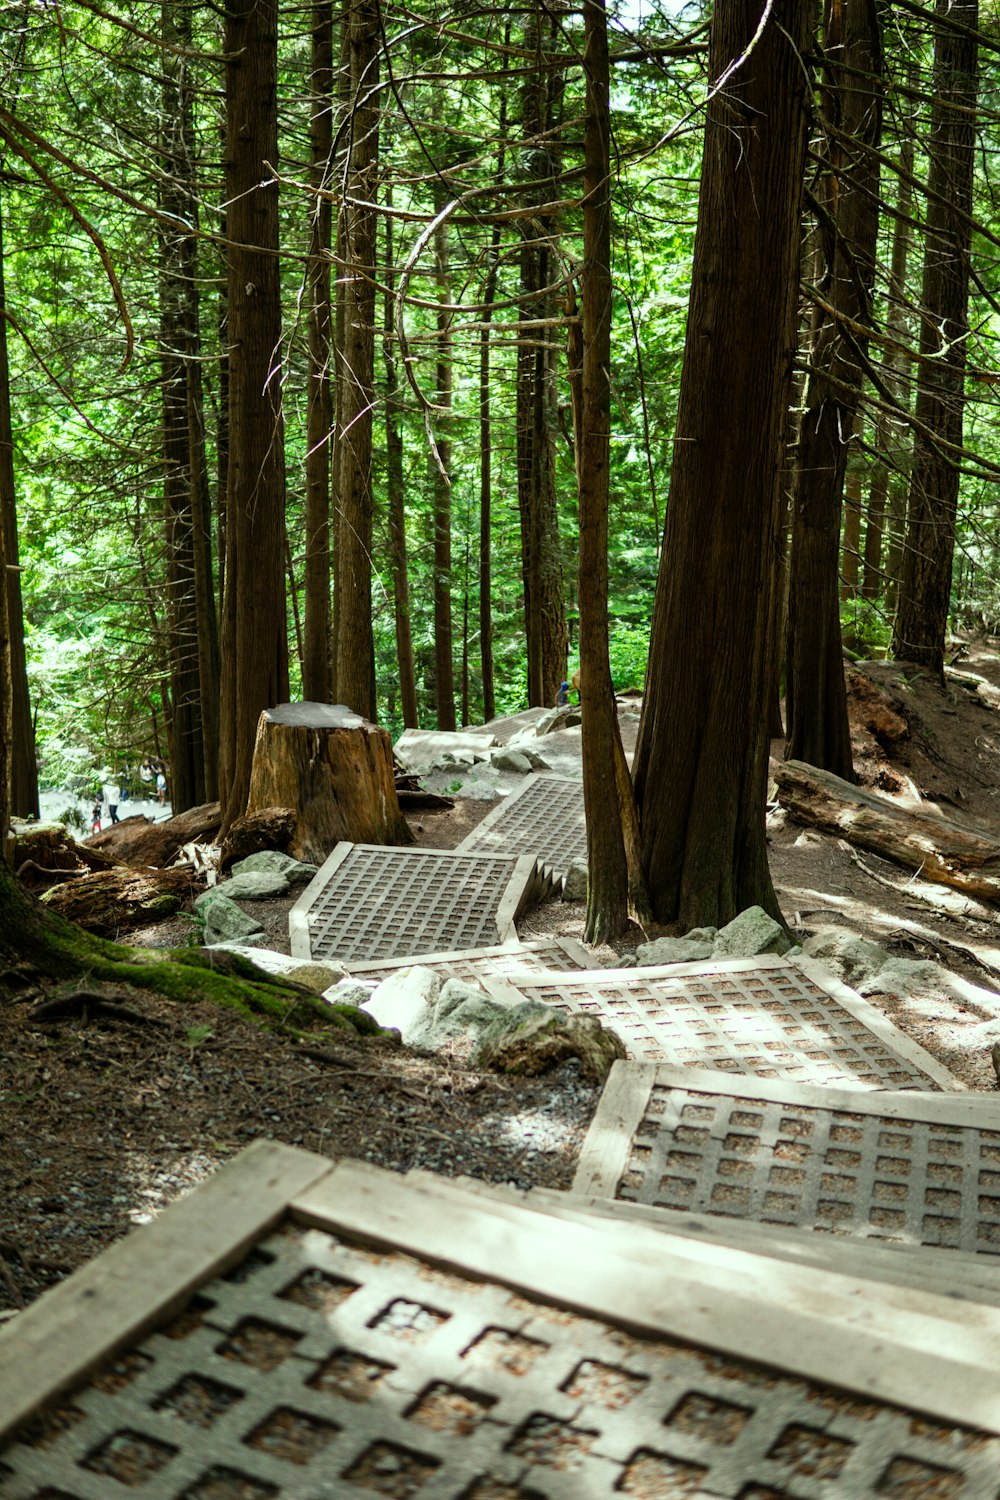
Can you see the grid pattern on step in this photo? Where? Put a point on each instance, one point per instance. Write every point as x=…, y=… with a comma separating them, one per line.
x=540, y=957
x=545, y=819
x=317, y=1370
x=397, y=902
x=772, y=1022
x=849, y=1172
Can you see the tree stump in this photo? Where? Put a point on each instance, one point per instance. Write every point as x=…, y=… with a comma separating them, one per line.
x=335, y=769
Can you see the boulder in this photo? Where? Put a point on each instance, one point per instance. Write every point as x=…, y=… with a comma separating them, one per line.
x=405, y=1001
x=273, y=862
x=225, y=922
x=349, y=991
x=543, y=1041
x=255, y=885
x=512, y=760
x=749, y=934
x=853, y=958
x=674, y=950
x=317, y=977
x=577, y=877
x=461, y=1010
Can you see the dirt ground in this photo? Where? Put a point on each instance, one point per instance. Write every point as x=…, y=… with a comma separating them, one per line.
x=104, y=1120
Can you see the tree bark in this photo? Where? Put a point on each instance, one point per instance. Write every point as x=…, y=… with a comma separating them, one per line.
x=255, y=645
x=848, y=228
x=23, y=768
x=444, y=664
x=355, y=675
x=335, y=769
x=925, y=586
x=701, y=761
x=396, y=503
x=607, y=886
x=316, y=683
x=537, y=403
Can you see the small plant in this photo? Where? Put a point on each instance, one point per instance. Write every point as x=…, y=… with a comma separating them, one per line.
x=196, y=1035
x=454, y=786
x=72, y=817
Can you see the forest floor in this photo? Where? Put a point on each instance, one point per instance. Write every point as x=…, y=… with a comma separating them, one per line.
x=105, y=1120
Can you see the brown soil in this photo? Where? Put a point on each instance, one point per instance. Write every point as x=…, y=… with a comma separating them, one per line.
x=105, y=1119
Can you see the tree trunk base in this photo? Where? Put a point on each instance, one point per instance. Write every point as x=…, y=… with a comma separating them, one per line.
x=335, y=769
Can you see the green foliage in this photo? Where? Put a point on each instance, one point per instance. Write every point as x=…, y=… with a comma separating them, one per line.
x=865, y=628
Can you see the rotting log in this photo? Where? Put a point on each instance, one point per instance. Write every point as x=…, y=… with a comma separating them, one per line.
x=122, y=899
x=142, y=843
x=335, y=769
x=45, y=853
x=937, y=848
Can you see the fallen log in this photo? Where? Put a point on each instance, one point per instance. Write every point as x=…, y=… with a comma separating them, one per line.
x=141, y=842
x=122, y=899
x=937, y=848
x=335, y=770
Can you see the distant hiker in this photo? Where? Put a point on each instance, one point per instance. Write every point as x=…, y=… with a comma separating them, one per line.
x=111, y=798
x=562, y=697
x=123, y=784
x=161, y=786
x=95, y=816
x=146, y=777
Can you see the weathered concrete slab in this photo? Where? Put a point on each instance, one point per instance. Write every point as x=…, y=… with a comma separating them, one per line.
x=369, y=903
x=406, y=1339
x=541, y=956
x=770, y=1016
x=908, y=1168
x=544, y=817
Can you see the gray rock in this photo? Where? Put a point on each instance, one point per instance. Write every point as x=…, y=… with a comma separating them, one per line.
x=536, y=761
x=225, y=922
x=272, y=862
x=511, y=760
x=668, y=950
x=405, y=1001
x=317, y=977
x=853, y=958
x=558, y=718
x=577, y=878
x=701, y=935
x=752, y=932
x=349, y=991
x=905, y=978
x=461, y=1010
x=255, y=885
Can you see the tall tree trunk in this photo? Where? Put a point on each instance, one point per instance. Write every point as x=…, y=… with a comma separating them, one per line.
x=537, y=404
x=925, y=585
x=396, y=504
x=850, y=559
x=181, y=490
x=701, y=760
x=20, y=759
x=486, y=427
x=444, y=669
x=319, y=413
x=892, y=431
x=254, y=636
x=848, y=223
x=607, y=891
x=354, y=641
